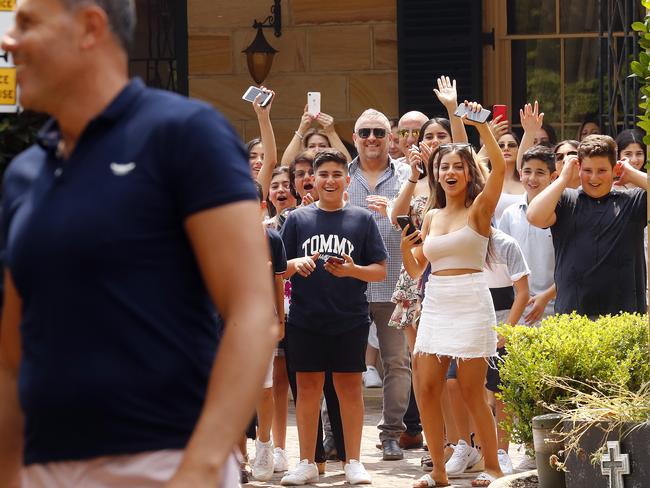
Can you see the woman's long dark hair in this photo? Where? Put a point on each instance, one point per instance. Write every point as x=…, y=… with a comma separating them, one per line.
x=475, y=184
x=278, y=171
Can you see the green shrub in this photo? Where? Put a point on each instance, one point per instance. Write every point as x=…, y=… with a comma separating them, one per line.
x=610, y=349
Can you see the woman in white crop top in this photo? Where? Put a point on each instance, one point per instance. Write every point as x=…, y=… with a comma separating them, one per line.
x=457, y=313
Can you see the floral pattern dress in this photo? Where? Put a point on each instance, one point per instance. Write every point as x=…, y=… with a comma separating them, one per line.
x=406, y=296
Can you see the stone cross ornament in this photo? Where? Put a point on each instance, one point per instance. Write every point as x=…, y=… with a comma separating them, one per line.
x=614, y=464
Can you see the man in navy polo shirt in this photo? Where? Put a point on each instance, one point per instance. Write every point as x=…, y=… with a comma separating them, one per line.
x=123, y=226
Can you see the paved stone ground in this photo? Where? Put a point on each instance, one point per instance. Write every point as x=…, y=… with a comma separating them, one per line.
x=385, y=474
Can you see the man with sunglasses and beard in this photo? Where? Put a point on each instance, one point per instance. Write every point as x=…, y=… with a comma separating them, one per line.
x=375, y=178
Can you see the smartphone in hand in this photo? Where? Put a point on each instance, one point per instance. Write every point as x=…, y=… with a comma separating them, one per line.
x=251, y=94
x=479, y=117
x=335, y=259
x=313, y=103
x=501, y=110
x=405, y=221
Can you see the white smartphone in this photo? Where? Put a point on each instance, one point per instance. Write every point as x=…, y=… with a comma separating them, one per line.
x=253, y=91
x=313, y=103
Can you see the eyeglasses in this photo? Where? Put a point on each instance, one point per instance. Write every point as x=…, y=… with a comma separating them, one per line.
x=560, y=156
x=405, y=132
x=365, y=133
x=509, y=145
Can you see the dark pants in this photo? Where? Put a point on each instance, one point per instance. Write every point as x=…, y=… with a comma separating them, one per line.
x=412, y=416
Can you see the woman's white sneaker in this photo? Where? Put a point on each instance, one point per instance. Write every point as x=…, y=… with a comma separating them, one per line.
x=463, y=457
x=303, y=474
x=356, y=474
x=505, y=462
x=280, y=460
x=263, y=464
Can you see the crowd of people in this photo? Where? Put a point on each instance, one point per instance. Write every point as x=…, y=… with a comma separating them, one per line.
x=135, y=292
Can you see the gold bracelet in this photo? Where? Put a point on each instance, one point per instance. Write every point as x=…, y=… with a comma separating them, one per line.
x=299, y=136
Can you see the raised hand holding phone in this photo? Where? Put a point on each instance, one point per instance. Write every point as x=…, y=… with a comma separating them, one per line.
x=407, y=225
x=472, y=113
x=252, y=92
x=313, y=103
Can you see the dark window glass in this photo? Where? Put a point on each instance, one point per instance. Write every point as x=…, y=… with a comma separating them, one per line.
x=581, y=83
x=536, y=75
x=578, y=16
x=531, y=16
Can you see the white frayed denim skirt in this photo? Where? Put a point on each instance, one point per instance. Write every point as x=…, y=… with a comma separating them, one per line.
x=457, y=318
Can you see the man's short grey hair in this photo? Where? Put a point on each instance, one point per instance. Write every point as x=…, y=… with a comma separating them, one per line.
x=120, y=13
x=371, y=113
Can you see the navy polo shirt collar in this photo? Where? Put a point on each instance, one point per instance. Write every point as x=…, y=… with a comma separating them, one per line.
x=49, y=135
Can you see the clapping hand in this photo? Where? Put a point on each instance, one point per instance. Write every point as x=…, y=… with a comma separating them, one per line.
x=306, y=266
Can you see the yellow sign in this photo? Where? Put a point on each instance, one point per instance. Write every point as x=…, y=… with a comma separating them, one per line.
x=7, y=86
x=7, y=5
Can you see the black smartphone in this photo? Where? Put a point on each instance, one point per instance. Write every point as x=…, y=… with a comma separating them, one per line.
x=480, y=117
x=335, y=259
x=405, y=221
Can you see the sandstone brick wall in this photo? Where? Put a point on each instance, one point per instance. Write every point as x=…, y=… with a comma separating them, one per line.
x=346, y=49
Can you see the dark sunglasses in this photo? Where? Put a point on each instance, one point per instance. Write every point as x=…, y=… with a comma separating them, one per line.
x=509, y=145
x=560, y=156
x=365, y=133
x=405, y=132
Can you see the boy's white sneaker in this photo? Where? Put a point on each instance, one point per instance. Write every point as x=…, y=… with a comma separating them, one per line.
x=304, y=473
x=371, y=378
x=464, y=456
x=356, y=474
x=263, y=464
x=505, y=462
x=280, y=460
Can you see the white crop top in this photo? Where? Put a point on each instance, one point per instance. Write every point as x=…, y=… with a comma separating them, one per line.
x=461, y=249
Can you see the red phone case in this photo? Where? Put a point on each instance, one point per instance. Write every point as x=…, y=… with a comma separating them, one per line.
x=500, y=110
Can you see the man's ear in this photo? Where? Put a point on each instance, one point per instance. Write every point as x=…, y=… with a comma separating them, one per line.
x=554, y=175
x=94, y=24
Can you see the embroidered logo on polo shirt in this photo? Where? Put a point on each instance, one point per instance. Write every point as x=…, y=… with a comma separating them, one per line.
x=122, y=169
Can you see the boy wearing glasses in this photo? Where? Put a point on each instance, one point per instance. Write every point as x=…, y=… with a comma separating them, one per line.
x=597, y=232
x=537, y=172
x=334, y=251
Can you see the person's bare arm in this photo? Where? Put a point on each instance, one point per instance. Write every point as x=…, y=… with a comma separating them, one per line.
x=348, y=269
x=539, y=303
x=531, y=122
x=296, y=145
x=521, y=300
x=413, y=257
x=402, y=203
x=278, y=285
x=629, y=174
x=327, y=122
x=11, y=418
x=268, y=144
x=541, y=210
x=482, y=209
x=448, y=96
x=233, y=256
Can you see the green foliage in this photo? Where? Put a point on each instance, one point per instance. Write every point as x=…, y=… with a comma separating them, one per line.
x=641, y=69
x=611, y=349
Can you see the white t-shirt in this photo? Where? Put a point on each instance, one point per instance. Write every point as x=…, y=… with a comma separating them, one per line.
x=508, y=263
